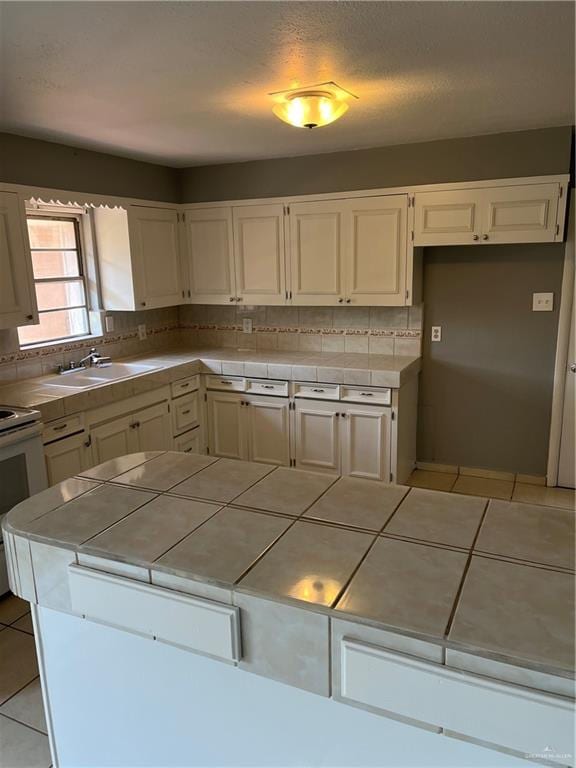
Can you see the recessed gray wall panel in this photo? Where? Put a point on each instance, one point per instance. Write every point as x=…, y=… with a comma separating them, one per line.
x=497, y=156
x=486, y=388
x=47, y=164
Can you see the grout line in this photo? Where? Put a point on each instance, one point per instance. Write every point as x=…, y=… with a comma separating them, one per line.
x=465, y=572
x=346, y=584
x=26, y=725
x=36, y=677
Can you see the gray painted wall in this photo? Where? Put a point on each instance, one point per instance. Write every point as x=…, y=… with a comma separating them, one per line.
x=46, y=164
x=524, y=153
x=486, y=388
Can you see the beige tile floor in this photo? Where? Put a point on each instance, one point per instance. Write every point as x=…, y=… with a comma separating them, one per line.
x=493, y=489
x=23, y=739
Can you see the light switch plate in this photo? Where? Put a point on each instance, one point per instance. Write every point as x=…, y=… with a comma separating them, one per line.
x=247, y=325
x=142, y=332
x=109, y=321
x=436, y=333
x=542, y=302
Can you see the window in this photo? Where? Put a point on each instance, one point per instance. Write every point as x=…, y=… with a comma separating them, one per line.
x=58, y=278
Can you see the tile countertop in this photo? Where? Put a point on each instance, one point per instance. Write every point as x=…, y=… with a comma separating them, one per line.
x=50, y=395
x=471, y=575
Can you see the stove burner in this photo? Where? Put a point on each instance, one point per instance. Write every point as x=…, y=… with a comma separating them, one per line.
x=6, y=414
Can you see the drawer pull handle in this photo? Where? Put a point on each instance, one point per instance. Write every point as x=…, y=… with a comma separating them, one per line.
x=267, y=386
x=367, y=394
x=224, y=381
x=186, y=412
x=60, y=427
x=183, y=386
x=318, y=390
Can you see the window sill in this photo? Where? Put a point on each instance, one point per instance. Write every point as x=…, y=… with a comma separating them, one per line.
x=61, y=342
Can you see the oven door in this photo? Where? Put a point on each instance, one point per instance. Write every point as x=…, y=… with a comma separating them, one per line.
x=22, y=474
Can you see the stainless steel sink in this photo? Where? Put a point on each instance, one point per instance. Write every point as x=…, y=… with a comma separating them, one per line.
x=91, y=377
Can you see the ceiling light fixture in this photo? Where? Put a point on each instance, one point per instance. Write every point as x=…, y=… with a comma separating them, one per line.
x=313, y=106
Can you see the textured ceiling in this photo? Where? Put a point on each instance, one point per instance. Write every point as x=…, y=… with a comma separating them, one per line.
x=186, y=83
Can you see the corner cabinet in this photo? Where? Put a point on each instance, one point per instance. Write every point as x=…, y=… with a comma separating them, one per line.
x=526, y=213
x=17, y=295
x=139, y=257
x=249, y=427
x=234, y=255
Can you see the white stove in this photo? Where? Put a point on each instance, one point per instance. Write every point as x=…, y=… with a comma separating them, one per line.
x=14, y=418
x=22, y=467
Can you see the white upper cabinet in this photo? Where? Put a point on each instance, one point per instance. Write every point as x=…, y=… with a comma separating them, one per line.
x=260, y=263
x=209, y=255
x=316, y=253
x=447, y=218
x=155, y=255
x=17, y=296
x=139, y=257
x=349, y=251
x=525, y=213
x=376, y=252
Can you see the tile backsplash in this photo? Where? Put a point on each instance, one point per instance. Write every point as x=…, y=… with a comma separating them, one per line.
x=372, y=330
x=161, y=331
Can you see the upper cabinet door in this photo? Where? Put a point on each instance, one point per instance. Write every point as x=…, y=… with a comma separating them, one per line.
x=259, y=254
x=209, y=255
x=155, y=256
x=17, y=296
x=376, y=253
x=447, y=218
x=523, y=214
x=317, y=253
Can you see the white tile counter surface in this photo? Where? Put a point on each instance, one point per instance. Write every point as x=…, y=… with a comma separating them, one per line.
x=466, y=574
x=53, y=398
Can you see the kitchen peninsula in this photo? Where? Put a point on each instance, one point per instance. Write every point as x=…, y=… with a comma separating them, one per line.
x=375, y=619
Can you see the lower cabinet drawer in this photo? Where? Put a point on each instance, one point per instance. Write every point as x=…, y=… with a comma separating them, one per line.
x=184, y=386
x=226, y=383
x=185, y=412
x=189, y=442
x=366, y=395
x=505, y=715
x=172, y=617
x=317, y=391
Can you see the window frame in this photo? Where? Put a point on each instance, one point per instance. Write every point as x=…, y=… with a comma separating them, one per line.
x=75, y=218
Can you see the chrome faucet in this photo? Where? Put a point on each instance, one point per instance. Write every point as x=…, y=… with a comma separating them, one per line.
x=95, y=359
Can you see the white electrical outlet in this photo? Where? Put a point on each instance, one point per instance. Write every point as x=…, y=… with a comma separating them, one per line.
x=246, y=325
x=109, y=323
x=542, y=302
x=436, y=333
x=142, y=332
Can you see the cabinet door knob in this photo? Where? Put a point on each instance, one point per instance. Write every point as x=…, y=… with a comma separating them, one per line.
x=340, y=300
x=143, y=303
x=475, y=237
x=484, y=237
x=348, y=301
x=238, y=298
x=232, y=298
x=29, y=317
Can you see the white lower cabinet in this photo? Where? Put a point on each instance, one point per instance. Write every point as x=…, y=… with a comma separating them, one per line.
x=366, y=442
x=249, y=427
x=343, y=438
x=317, y=435
x=225, y=430
x=67, y=457
x=267, y=428
x=519, y=719
x=144, y=430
